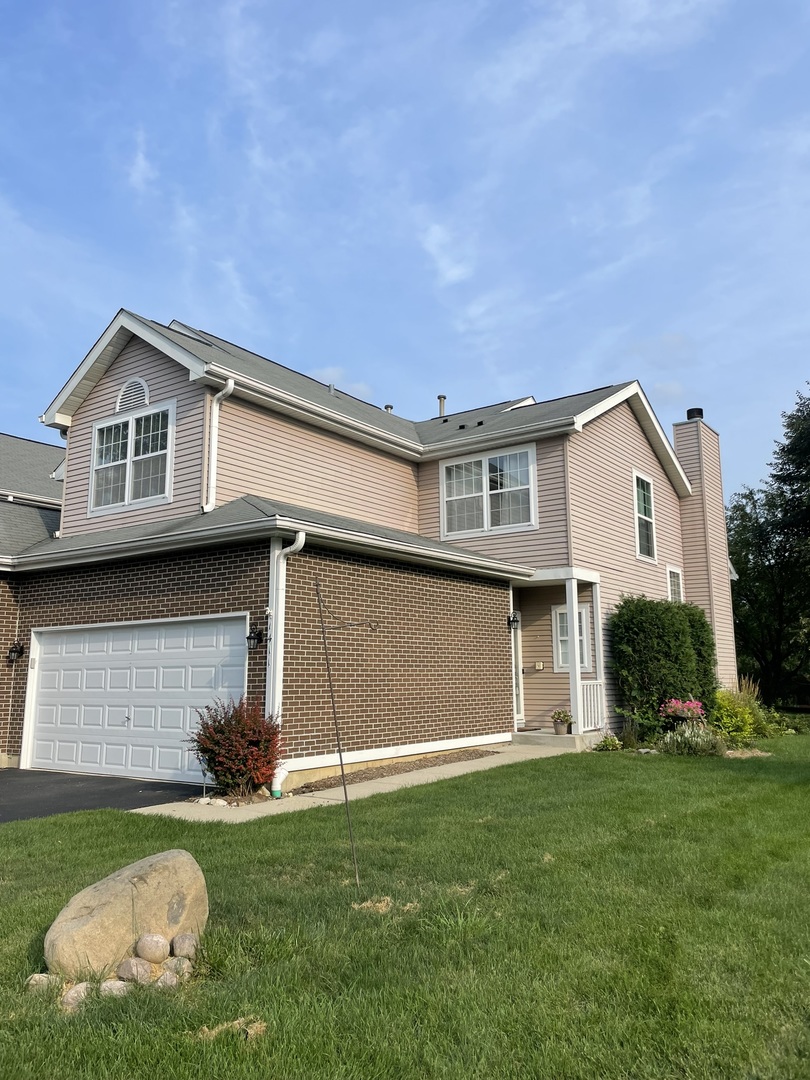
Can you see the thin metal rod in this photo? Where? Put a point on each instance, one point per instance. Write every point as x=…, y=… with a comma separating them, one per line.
x=337, y=730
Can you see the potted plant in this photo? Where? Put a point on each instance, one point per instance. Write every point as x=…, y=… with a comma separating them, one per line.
x=561, y=718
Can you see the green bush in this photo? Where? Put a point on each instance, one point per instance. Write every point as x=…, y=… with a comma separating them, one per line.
x=661, y=650
x=733, y=718
x=691, y=738
x=607, y=743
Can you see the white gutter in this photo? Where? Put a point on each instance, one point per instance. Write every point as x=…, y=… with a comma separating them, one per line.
x=213, y=445
x=275, y=623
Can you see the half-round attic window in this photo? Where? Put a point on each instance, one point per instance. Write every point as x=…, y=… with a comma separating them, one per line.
x=134, y=394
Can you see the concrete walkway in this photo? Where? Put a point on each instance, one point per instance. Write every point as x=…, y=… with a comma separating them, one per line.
x=235, y=815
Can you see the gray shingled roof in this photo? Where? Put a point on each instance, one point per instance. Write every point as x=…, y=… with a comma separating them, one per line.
x=23, y=527
x=26, y=467
x=244, y=512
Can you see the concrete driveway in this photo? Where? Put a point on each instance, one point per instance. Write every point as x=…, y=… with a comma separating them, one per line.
x=28, y=793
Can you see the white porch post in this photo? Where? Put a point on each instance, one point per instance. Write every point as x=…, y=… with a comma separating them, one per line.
x=574, y=672
x=598, y=650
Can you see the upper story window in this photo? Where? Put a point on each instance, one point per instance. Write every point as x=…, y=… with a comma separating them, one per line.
x=489, y=493
x=132, y=459
x=561, y=634
x=645, y=520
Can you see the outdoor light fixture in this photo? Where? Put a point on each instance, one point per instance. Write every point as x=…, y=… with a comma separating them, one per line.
x=513, y=620
x=15, y=651
x=254, y=638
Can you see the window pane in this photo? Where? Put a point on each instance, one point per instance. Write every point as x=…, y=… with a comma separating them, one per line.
x=675, y=586
x=644, y=497
x=466, y=478
x=509, y=471
x=151, y=434
x=109, y=485
x=149, y=477
x=111, y=443
x=464, y=514
x=646, y=545
x=509, y=508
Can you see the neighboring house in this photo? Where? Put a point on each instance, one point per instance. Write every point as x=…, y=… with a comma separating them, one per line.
x=467, y=563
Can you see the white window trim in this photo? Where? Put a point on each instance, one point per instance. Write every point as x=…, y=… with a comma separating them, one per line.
x=585, y=612
x=488, y=530
x=675, y=570
x=647, y=479
x=138, y=504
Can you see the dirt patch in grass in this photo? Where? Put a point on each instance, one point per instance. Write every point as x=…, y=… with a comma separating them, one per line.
x=393, y=769
x=747, y=753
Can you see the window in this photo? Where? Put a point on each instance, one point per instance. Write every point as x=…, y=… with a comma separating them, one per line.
x=562, y=637
x=645, y=524
x=674, y=584
x=131, y=460
x=493, y=492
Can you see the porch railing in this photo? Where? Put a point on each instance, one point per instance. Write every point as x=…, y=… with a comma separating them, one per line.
x=591, y=704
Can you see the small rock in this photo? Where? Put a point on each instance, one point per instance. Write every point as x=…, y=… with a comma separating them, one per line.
x=114, y=988
x=265, y=794
x=135, y=970
x=179, y=966
x=41, y=983
x=72, y=999
x=152, y=947
x=185, y=945
x=167, y=981
x=219, y=802
x=204, y=800
x=644, y=750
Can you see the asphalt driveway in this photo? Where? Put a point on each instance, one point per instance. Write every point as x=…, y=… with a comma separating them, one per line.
x=28, y=793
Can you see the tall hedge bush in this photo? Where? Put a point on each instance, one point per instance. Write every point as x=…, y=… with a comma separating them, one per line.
x=661, y=650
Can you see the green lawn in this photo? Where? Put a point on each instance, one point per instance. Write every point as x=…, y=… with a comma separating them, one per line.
x=593, y=915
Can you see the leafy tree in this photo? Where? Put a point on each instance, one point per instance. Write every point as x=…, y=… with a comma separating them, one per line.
x=769, y=546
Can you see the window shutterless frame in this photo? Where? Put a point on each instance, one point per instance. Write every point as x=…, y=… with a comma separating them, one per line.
x=561, y=635
x=492, y=492
x=132, y=459
x=675, y=584
x=644, y=515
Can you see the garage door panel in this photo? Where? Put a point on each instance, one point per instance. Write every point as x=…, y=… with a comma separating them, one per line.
x=122, y=700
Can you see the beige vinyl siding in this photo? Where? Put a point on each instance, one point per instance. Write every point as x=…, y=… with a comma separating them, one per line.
x=546, y=690
x=166, y=380
x=602, y=459
x=268, y=455
x=706, y=574
x=547, y=545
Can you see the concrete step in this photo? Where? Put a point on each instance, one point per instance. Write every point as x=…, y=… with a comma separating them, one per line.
x=573, y=743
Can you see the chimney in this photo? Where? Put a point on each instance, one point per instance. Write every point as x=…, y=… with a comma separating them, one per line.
x=442, y=399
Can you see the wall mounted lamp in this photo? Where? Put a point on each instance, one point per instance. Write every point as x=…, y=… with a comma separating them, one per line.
x=513, y=620
x=254, y=638
x=15, y=652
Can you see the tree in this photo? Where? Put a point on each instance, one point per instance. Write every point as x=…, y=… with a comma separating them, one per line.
x=769, y=547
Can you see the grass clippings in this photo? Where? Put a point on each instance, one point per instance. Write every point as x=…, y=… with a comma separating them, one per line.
x=247, y=1026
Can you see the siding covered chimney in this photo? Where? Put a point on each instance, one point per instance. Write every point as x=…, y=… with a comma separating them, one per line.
x=705, y=545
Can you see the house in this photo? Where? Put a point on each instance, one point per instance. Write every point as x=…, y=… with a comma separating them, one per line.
x=222, y=516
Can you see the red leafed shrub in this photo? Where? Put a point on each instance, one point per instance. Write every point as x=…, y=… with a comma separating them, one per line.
x=237, y=745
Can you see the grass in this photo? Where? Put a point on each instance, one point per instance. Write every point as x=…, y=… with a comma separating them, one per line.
x=600, y=915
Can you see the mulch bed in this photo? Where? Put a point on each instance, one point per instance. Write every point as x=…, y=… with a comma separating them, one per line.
x=392, y=770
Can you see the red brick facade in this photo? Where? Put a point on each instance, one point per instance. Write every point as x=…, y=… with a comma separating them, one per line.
x=437, y=667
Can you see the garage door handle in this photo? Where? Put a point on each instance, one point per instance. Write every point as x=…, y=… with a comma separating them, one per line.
x=127, y=719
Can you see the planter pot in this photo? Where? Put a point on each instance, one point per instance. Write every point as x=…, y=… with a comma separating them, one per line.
x=561, y=727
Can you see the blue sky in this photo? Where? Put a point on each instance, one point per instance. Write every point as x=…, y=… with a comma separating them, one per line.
x=481, y=199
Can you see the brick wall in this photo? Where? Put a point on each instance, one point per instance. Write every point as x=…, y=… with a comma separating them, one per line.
x=438, y=666
x=10, y=674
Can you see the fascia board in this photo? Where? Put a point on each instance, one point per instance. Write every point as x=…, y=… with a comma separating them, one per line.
x=59, y=413
x=554, y=575
x=637, y=400
x=262, y=529
x=22, y=498
x=301, y=409
x=491, y=439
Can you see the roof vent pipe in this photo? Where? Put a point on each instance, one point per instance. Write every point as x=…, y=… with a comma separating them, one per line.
x=442, y=399
x=694, y=414
x=388, y=408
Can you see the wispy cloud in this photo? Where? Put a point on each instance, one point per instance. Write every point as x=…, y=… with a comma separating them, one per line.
x=452, y=259
x=141, y=172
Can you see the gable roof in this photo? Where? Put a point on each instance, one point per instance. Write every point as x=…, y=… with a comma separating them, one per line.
x=213, y=361
x=26, y=471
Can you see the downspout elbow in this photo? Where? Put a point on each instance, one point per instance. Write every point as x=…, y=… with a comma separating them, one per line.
x=225, y=392
x=296, y=545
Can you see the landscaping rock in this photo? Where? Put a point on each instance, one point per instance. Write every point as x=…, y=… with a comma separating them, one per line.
x=152, y=947
x=135, y=970
x=41, y=983
x=114, y=988
x=167, y=981
x=72, y=999
x=179, y=966
x=163, y=894
x=185, y=945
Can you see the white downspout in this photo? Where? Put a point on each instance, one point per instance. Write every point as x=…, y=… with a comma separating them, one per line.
x=275, y=624
x=213, y=444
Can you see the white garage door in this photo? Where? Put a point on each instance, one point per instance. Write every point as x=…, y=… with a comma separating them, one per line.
x=121, y=700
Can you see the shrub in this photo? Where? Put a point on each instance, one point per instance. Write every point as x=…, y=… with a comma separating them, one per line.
x=607, y=743
x=661, y=651
x=693, y=738
x=733, y=718
x=237, y=745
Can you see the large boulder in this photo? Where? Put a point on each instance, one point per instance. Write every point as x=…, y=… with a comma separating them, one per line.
x=162, y=894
